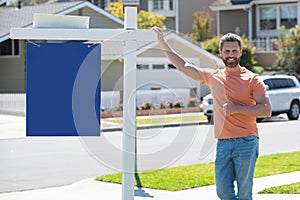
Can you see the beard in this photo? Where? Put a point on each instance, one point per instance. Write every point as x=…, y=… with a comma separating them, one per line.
x=231, y=62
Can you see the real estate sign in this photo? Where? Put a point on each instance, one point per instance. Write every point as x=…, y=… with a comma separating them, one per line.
x=63, y=89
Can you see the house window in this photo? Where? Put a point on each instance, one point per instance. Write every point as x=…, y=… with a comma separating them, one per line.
x=142, y=67
x=272, y=17
x=9, y=48
x=158, y=4
x=171, y=5
x=103, y=4
x=288, y=16
x=267, y=18
x=158, y=66
x=171, y=66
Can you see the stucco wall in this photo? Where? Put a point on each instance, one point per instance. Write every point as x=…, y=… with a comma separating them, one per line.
x=230, y=21
x=186, y=10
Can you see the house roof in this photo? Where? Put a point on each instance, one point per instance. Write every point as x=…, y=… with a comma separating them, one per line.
x=12, y=17
x=228, y=5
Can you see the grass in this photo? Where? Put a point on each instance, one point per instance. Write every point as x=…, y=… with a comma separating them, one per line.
x=192, y=176
x=160, y=120
x=293, y=188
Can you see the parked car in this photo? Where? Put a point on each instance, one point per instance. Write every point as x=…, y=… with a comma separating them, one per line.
x=284, y=93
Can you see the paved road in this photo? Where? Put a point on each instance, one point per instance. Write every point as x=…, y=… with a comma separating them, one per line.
x=30, y=163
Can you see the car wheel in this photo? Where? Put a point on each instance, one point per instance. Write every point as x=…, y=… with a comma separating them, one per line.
x=259, y=119
x=294, y=111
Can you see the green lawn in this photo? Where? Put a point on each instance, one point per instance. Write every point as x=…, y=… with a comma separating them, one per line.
x=192, y=176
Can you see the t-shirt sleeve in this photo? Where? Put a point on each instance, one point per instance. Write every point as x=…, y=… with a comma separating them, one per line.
x=258, y=87
x=205, y=76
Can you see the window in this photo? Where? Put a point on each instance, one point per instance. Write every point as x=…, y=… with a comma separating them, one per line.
x=279, y=83
x=158, y=66
x=103, y=4
x=171, y=5
x=171, y=66
x=272, y=17
x=158, y=4
x=267, y=18
x=142, y=67
x=9, y=48
x=269, y=83
x=288, y=16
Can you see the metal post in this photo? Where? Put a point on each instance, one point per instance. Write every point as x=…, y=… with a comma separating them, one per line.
x=129, y=107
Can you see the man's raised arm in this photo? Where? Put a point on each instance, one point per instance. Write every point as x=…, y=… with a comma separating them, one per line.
x=180, y=63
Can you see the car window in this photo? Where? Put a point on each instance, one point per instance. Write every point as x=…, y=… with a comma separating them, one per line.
x=279, y=83
x=269, y=83
x=291, y=83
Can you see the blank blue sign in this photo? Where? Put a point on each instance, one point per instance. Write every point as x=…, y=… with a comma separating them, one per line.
x=63, y=89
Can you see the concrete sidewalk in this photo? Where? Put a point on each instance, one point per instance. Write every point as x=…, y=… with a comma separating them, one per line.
x=14, y=127
x=95, y=190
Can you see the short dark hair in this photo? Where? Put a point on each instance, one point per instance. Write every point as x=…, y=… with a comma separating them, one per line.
x=230, y=37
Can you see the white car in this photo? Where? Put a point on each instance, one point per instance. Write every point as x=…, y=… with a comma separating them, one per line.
x=284, y=93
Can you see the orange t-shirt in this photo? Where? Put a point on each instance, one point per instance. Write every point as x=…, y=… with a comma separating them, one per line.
x=240, y=87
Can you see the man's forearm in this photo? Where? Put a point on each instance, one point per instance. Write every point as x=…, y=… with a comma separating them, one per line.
x=174, y=58
x=258, y=110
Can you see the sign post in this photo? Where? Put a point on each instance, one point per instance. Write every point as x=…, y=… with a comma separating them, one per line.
x=129, y=112
x=130, y=34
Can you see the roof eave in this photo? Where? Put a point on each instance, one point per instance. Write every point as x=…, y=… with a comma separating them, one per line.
x=231, y=7
x=247, y=6
x=273, y=1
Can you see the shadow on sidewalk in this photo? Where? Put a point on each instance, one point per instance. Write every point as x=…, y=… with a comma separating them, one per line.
x=140, y=191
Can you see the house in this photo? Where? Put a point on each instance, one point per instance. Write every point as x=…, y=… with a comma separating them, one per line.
x=258, y=20
x=154, y=70
x=13, y=52
x=178, y=13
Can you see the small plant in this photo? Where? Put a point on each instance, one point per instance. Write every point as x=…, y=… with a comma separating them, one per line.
x=117, y=108
x=147, y=106
x=170, y=104
x=178, y=104
x=162, y=105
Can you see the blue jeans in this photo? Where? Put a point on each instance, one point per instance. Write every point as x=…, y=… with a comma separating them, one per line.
x=235, y=161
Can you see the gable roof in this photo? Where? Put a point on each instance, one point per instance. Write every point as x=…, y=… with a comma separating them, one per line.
x=13, y=17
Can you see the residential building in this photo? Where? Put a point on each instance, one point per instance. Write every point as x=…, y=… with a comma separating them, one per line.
x=154, y=70
x=13, y=52
x=179, y=13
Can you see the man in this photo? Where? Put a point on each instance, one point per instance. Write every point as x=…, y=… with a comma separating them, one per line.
x=239, y=97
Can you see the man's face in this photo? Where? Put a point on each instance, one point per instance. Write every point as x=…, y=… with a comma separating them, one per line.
x=231, y=54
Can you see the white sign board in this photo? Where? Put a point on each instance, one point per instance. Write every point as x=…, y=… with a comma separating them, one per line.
x=41, y=20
